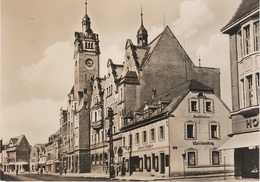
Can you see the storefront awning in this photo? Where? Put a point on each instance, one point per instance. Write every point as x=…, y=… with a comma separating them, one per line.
x=241, y=141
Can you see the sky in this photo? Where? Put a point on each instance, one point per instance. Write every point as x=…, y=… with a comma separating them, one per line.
x=37, y=50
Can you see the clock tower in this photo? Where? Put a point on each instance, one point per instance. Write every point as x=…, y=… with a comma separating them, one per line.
x=86, y=58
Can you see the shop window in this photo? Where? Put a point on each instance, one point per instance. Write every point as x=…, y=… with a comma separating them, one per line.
x=191, y=158
x=247, y=40
x=96, y=159
x=214, y=131
x=148, y=164
x=161, y=133
x=141, y=164
x=215, y=158
x=190, y=131
x=256, y=36
x=144, y=137
x=152, y=135
x=101, y=158
x=194, y=106
x=137, y=138
x=93, y=159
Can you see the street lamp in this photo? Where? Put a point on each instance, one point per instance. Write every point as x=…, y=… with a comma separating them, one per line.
x=183, y=157
x=130, y=153
x=110, y=115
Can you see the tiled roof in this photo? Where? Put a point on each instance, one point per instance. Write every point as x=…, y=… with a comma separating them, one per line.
x=246, y=7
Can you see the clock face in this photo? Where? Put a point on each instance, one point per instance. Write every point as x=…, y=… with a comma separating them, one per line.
x=89, y=63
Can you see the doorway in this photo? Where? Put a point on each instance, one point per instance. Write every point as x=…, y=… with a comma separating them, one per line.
x=162, y=164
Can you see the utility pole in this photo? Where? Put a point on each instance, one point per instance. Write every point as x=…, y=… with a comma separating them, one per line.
x=111, y=151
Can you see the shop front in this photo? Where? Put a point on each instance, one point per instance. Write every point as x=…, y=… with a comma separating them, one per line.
x=245, y=142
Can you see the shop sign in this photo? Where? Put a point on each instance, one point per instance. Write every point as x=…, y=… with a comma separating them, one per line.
x=145, y=146
x=203, y=143
x=252, y=122
x=200, y=116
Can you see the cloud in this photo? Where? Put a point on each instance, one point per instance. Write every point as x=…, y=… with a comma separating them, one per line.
x=52, y=76
x=36, y=119
x=193, y=15
x=216, y=54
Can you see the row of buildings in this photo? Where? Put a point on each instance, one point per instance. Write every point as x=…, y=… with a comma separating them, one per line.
x=168, y=116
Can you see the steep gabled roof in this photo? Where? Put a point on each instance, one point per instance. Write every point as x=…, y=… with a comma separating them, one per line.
x=245, y=8
x=173, y=42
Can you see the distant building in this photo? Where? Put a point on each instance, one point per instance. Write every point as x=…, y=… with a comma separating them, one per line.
x=243, y=31
x=180, y=128
x=53, y=162
x=16, y=154
x=38, y=158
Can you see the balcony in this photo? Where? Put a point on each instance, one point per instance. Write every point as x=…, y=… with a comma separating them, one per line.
x=97, y=124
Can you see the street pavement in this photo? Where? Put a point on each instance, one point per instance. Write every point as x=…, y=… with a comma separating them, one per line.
x=105, y=177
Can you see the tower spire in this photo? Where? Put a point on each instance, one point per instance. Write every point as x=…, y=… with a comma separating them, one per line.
x=142, y=36
x=86, y=21
x=141, y=16
x=86, y=7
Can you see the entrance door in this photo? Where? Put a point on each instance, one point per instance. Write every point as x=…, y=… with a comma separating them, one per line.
x=162, y=165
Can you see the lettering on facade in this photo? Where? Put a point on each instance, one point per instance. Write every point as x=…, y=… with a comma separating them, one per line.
x=252, y=123
x=145, y=146
x=203, y=143
x=200, y=116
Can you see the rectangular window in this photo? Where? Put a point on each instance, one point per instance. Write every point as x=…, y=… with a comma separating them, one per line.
x=213, y=131
x=161, y=132
x=249, y=90
x=190, y=131
x=256, y=36
x=247, y=40
x=101, y=136
x=215, y=157
x=137, y=139
x=144, y=137
x=152, y=135
x=191, y=159
x=239, y=45
x=194, y=106
x=208, y=106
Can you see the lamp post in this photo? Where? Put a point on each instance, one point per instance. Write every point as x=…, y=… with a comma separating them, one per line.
x=110, y=115
x=183, y=157
x=130, y=154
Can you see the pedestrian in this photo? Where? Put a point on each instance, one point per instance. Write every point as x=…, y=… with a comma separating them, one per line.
x=65, y=170
x=41, y=170
x=16, y=171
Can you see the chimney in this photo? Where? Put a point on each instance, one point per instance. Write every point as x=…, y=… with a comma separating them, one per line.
x=154, y=93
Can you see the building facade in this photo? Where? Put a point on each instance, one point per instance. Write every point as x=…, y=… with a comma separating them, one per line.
x=147, y=69
x=38, y=158
x=53, y=163
x=16, y=154
x=243, y=31
x=177, y=133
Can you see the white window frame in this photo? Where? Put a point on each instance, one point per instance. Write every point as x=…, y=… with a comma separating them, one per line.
x=152, y=135
x=197, y=105
x=159, y=132
x=194, y=134
x=211, y=106
x=217, y=131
